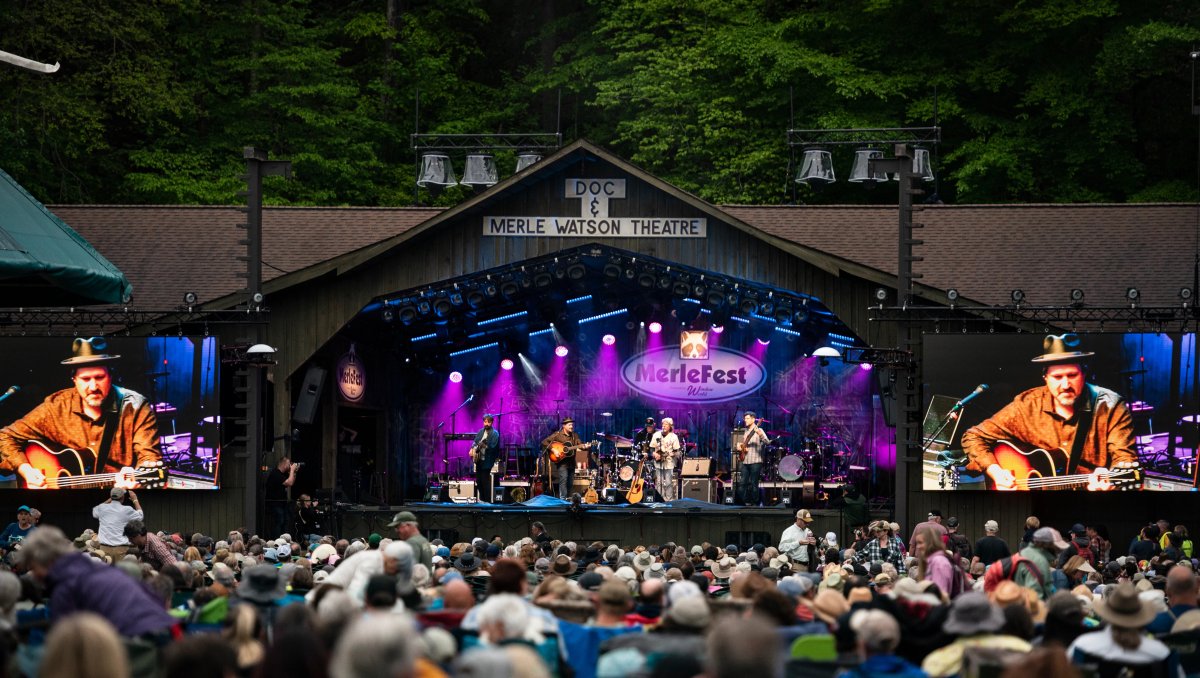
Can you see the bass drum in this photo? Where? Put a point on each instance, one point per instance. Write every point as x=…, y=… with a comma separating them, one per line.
x=791, y=468
x=625, y=476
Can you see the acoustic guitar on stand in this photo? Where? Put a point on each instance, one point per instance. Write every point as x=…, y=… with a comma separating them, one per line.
x=1038, y=469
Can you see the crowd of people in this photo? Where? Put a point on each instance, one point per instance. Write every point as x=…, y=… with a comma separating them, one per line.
x=125, y=600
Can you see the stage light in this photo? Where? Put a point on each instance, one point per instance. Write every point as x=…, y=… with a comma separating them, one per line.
x=561, y=351
x=825, y=353
x=609, y=340
x=1185, y=293
x=717, y=329
x=1076, y=296
x=456, y=376
x=655, y=327
x=1132, y=294
x=865, y=367
x=952, y=295
x=190, y=298
x=388, y=315
x=881, y=294
x=763, y=342
x=1017, y=296
x=506, y=364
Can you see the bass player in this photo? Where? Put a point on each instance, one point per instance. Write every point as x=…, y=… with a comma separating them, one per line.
x=750, y=452
x=484, y=452
x=564, y=469
x=1053, y=416
x=115, y=423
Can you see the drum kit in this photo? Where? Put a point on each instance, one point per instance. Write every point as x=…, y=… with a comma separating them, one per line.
x=823, y=455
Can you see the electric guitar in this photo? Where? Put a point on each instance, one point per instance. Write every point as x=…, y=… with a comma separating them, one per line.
x=76, y=468
x=559, y=451
x=742, y=450
x=1039, y=469
x=637, y=488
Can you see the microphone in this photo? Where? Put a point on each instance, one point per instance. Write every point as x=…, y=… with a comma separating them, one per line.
x=11, y=390
x=962, y=403
x=471, y=397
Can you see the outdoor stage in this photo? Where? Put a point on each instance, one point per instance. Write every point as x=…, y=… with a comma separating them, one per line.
x=685, y=521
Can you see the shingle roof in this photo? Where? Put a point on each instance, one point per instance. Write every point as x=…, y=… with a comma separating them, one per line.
x=167, y=251
x=982, y=250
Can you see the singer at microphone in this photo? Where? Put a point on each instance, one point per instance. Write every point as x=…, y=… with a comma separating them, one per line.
x=1083, y=430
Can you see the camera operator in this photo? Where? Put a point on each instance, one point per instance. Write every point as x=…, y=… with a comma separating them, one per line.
x=308, y=516
x=114, y=514
x=282, y=477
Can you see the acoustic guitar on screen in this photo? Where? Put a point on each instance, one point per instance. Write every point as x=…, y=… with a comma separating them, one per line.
x=1038, y=469
x=68, y=468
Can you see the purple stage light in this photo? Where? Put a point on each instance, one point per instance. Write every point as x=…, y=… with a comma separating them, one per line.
x=655, y=327
x=717, y=329
x=763, y=342
x=609, y=340
x=456, y=376
x=866, y=366
x=506, y=364
x=561, y=351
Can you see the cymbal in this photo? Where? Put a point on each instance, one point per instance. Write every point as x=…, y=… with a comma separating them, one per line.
x=778, y=433
x=615, y=438
x=681, y=432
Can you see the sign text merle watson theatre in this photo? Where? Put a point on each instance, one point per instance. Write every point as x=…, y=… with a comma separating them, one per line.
x=593, y=220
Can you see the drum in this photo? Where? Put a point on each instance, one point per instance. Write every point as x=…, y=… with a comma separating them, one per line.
x=791, y=467
x=626, y=473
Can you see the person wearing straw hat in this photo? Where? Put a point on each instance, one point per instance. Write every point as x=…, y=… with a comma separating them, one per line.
x=115, y=423
x=1123, y=642
x=665, y=449
x=1053, y=416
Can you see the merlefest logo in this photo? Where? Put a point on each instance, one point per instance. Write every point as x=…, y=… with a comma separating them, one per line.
x=693, y=372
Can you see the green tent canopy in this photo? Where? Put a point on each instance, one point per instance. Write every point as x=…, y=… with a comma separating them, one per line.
x=44, y=262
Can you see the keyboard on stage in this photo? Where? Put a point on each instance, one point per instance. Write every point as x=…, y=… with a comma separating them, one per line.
x=458, y=436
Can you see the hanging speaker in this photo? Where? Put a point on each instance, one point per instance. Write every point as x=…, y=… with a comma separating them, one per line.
x=310, y=395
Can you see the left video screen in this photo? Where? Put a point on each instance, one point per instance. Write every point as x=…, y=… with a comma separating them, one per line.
x=100, y=412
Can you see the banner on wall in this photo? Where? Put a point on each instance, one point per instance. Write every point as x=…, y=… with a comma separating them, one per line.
x=693, y=372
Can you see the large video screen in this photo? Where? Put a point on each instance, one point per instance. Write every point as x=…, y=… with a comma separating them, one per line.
x=1033, y=412
x=100, y=412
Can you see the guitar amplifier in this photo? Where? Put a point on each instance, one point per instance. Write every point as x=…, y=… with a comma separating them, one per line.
x=696, y=468
x=462, y=490
x=700, y=489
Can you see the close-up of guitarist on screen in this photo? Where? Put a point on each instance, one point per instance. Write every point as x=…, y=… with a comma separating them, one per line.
x=92, y=434
x=1063, y=433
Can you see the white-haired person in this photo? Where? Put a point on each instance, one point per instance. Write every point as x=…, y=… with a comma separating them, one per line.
x=666, y=451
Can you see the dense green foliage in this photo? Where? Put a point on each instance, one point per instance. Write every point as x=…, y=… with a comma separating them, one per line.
x=1047, y=100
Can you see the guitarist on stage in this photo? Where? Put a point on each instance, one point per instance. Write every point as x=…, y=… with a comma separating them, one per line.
x=665, y=449
x=78, y=418
x=1052, y=416
x=564, y=471
x=484, y=452
x=750, y=452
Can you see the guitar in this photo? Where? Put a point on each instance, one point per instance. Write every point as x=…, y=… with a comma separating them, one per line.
x=742, y=450
x=75, y=468
x=559, y=451
x=637, y=488
x=1039, y=469
x=477, y=451
x=590, y=497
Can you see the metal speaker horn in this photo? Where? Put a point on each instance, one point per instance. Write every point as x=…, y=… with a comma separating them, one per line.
x=436, y=170
x=860, y=171
x=921, y=164
x=817, y=167
x=480, y=171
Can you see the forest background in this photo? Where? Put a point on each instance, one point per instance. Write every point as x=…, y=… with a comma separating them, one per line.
x=1039, y=101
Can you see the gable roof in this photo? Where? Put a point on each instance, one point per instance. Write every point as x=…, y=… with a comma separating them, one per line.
x=44, y=262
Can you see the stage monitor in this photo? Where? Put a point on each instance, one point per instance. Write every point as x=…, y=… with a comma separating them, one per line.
x=99, y=412
x=1001, y=412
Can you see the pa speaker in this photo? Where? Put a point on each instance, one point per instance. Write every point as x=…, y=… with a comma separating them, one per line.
x=700, y=489
x=310, y=395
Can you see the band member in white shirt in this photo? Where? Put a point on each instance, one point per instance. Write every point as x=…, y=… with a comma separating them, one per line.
x=665, y=449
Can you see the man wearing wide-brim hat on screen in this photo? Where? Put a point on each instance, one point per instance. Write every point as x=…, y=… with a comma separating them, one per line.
x=115, y=423
x=1049, y=417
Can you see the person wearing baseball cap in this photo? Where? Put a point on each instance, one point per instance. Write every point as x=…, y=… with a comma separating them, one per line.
x=405, y=523
x=641, y=439
x=17, y=531
x=71, y=418
x=990, y=547
x=799, y=543
x=1092, y=426
x=1047, y=543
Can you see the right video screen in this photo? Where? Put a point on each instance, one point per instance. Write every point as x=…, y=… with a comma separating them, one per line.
x=1037, y=412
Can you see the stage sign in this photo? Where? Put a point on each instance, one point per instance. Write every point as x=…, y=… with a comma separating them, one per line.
x=665, y=374
x=352, y=378
x=1010, y=421
x=165, y=389
x=593, y=219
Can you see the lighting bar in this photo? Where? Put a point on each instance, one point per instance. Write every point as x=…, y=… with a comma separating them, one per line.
x=510, y=316
x=465, y=351
x=476, y=335
x=548, y=330
x=602, y=316
x=841, y=344
x=787, y=331
x=739, y=319
x=576, y=300
x=842, y=337
x=690, y=300
x=423, y=337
